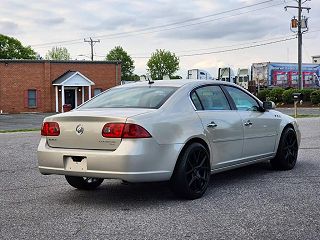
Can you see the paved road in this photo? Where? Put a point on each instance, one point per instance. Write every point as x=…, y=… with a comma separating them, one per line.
x=22, y=121
x=249, y=203
x=32, y=121
x=300, y=110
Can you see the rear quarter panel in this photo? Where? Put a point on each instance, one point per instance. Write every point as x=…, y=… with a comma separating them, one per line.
x=175, y=122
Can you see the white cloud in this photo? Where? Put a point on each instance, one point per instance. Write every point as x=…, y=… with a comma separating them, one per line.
x=35, y=22
x=8, y=27
x=209, y=63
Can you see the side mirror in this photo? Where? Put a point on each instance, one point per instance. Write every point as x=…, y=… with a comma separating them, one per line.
x=269, y=105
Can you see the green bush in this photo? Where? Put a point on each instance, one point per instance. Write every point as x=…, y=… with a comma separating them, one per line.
x=287, y=95
x=263, y=94
x=315, y=97
x=306, y=94
x=275, y=95
x=281, y=95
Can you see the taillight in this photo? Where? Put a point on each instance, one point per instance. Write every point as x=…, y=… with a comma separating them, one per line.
x=112, y=130
x=134, y=131
x=50, y=129
x=124, y=130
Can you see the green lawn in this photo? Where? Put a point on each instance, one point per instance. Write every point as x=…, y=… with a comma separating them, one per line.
x=306, y=115
x=20, y=130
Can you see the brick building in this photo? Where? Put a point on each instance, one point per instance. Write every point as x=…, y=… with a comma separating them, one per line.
x=45, y=86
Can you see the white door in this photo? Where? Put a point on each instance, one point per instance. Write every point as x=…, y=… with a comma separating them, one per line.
x=260, y=127
x=222, y=126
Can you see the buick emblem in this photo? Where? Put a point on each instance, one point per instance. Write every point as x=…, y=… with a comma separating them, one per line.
x=79, y=129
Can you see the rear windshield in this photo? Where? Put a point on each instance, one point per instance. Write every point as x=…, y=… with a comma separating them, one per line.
x=133, y=97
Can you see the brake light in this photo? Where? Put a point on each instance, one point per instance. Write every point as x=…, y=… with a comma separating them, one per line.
x=112, y=130
x=134, y=131
x=50, y=129
x=124, y=130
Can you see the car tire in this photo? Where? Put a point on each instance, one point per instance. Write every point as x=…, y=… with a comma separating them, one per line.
x=287, y=152
x=84, y=183
x=191, y=176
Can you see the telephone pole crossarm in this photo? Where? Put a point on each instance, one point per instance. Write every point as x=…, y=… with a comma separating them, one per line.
x=92, y=43
x=302, y=8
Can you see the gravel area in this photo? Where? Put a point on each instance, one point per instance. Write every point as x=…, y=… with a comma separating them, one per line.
x=253, y=202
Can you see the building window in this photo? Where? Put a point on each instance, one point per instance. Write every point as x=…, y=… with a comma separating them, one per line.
x=32, y=98
x=97, y=91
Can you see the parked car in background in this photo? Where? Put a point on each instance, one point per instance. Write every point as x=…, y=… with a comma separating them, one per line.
x=178, y=130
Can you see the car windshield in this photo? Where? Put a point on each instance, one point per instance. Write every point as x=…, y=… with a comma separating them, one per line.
x=131, y=97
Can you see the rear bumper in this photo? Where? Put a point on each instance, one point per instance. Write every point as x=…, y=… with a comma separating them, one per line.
x=139, y=160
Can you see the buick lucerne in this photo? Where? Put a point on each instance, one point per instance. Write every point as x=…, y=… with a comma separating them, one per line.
x=179, y=131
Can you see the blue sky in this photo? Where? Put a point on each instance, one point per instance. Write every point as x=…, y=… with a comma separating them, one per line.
x=188, y=27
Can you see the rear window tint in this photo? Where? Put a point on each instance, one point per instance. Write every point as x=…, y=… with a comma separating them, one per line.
x=133, y=97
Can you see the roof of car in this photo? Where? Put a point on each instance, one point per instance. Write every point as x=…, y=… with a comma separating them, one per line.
x=174, y=83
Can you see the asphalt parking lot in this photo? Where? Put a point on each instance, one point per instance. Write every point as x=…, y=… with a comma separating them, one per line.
x=253, y=202
x=9, y=122
x=22, y=121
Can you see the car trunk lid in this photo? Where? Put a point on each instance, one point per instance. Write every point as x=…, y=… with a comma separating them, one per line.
x=82, y=129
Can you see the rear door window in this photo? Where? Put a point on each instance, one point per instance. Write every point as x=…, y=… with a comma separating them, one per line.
x=209, y=98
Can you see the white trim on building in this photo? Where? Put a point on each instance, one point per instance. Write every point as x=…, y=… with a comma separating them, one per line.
x=71, y=80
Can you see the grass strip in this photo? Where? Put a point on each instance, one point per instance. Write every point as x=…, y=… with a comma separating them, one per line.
x=20, y=130
x=306, y=115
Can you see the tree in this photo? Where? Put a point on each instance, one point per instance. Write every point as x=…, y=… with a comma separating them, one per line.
x=135, y=77
x=11, y=48
x=58, y=53
x=176, y=77
x=162, y=63
x=127, y=67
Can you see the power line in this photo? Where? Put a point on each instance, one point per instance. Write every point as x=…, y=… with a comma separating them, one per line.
x=189, y=25
x=240, y=48
x=227, y=46
x=116, y=35
x=287, y=38
x=232, y=49
x=140, y=32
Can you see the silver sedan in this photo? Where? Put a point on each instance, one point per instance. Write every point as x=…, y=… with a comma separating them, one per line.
x=178, y=130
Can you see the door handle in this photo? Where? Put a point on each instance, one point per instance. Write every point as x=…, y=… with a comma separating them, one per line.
x=212, y=125
x=248, y=123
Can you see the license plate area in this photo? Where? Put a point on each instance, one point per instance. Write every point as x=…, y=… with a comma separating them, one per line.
x=75, y=163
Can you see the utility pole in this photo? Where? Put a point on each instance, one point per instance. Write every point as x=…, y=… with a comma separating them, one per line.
x=301, y=24
x=92, y=43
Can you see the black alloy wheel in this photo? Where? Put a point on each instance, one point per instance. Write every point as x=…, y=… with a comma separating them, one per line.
x=84, y=183
x=287, y=152
x=192, y=173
